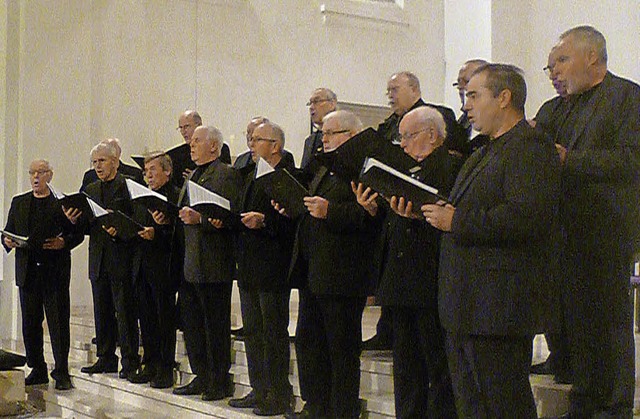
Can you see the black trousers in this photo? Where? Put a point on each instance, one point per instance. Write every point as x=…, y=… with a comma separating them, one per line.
x=44, y=294
x=490, y=376
x=328, y=346
x=206, y=321
x=157, y=312
x=421, y=381
x=114, y=312
x=265, y=318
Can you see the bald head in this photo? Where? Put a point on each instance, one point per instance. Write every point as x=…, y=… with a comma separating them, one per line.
x=422, y=130
x=187, y=123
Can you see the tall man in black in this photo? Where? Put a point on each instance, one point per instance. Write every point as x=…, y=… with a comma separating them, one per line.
x=333, y=248
x=43, y=273
x=110, y=267
x=409, y=283
x=265, y=241
x=209, y=265
x=155, y=279
x=497, y=253
x=599, y=146
x=321, y=102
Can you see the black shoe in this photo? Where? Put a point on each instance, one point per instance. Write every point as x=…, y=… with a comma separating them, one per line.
x=303, y=414
x=273, y=406
x=162, y=379
x=213, y=394
x=376, y=343
x=63, y=382
x=247, y=402
x=543, y=368
x=142, y=376
x=37, y=376
x=101, y=367
x=194, y=387
x=125, y=373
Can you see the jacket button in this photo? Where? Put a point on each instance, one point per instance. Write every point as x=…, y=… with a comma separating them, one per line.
x=400, y=254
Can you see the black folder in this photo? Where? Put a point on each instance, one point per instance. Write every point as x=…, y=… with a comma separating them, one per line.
x=126, y=226
x=150, y=199
x=283, y=188
x=389, y=182
x=79, y=201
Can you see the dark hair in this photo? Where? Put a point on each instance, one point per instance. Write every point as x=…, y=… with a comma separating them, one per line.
x=505, y=77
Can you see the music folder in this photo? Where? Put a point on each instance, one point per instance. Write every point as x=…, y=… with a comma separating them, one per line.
x=22, y=241
x=175, y=152
x=282, y=187
x=211, y=205
x=150, y=199
x=79, y=201
x=127, y=228
x=389, y=182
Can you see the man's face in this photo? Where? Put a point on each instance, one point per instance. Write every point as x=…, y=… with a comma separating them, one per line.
x=571, y=65
x=415, y=138
x=186, y=125
x=463, y=79
x=156, y=177
x=106, y=167
x=401, y=96
x=251, y=126
x=481, y=107
x=202, y=150
x=319, y=106
x=262, y=143
x=557, y=84
x=333, y=135
x=39, y=175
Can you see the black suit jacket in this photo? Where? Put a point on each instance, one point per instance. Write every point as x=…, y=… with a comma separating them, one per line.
x=131, y=172
x=209, y=256
x=550, y=116
x=312, y=146
x=497, y=263
x=58, y=262
x=334, y=254
x=181, y=161
x=264, y=254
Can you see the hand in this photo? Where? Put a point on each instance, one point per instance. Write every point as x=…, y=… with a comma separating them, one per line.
x=215, y=222
x=159, y=217
x=110, y=231
x=317, y=206
x=402, y=208
x=562, y=152
x=253, y=220
x=187, y=173
x=147, y=233
x=190, y=216
x=53, y=243
x=365, y=198
x=10, y=243
x=278, y=208
x=72, y=214
x=439, y=215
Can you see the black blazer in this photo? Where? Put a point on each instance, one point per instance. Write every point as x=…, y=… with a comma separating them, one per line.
x=497, y=263
x=131, y=172
x=264, y=255
x=412, y=247
x=334, y=254
x=312, y=146
x=58, y=261
x=209, y=255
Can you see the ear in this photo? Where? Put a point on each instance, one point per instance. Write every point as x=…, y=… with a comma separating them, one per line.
x=433, y=136
x=592, y=57
x=504, y=98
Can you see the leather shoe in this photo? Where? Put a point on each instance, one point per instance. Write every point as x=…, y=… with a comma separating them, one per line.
x=63, y=382
x=162, y=379
x=273, y=406
x=101, y=367
x=37, y=376
x=125, y=373
x=247, y=402
x=213, y=394
x=194, y=387
x=142, y=376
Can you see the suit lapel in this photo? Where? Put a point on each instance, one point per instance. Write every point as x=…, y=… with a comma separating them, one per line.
x=475, y=167
x=320, y=174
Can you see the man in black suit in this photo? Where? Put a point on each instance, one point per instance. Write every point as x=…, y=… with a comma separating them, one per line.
x=409, y=282
x=474, y=140
x=321, y=102
x=264, y=245
x=245, y=159
x=43, y=271
x=110, y=267
x=131, y=172
x=154, y=277
x=497, y=253
x=599, y=145
x=188, y=121
x=333, y=252
x=209, y=265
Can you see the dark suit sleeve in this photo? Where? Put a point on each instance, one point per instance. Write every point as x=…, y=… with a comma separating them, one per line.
x=11, y=222
x=72, y=235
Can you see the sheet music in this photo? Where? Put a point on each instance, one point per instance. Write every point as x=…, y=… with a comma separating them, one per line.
x=97, y=210
x=371, y=162
x=200, y=195
x=136, y=191
x=55, y=192
x=263, y=168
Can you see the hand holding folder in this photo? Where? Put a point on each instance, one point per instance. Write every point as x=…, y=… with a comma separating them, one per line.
x=282, y=187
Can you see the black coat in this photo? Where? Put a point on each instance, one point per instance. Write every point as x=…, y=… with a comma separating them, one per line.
x=497, y=263
x=58, y=261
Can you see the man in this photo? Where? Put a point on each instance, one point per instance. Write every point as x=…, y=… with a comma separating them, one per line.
x=598, y=142
x=264, y=249
x=551, y=113
x=409, y=283
x=245, y=159
x=497, y=253
x=155, y=278
x=110, y=267
x=321, y=102
x=205, y=294
x=333, y=249
x=131, y=172
x=474, y=140
x=188, y=121
x=43, y=273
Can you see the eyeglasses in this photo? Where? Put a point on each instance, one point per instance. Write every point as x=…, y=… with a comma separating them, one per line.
x=316, y=101
x=412, y=135
x=330, y=133
x=38, y=172
x=255, y=140
x=547, y=70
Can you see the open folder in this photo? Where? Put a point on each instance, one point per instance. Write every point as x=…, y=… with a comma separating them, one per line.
x=282, y=187
x=151, y=199
x=389, y=182
x=211, y=205
x=22, y=241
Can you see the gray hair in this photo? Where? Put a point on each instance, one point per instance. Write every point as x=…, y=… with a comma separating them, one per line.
x=427, y=116
x=107, y=147
x=162, y=157
x=346, y=120
x=194, y=116
x=412, y=79
x=215, y=136
x=329, y=94
x=589, y=37
x=505, y=77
